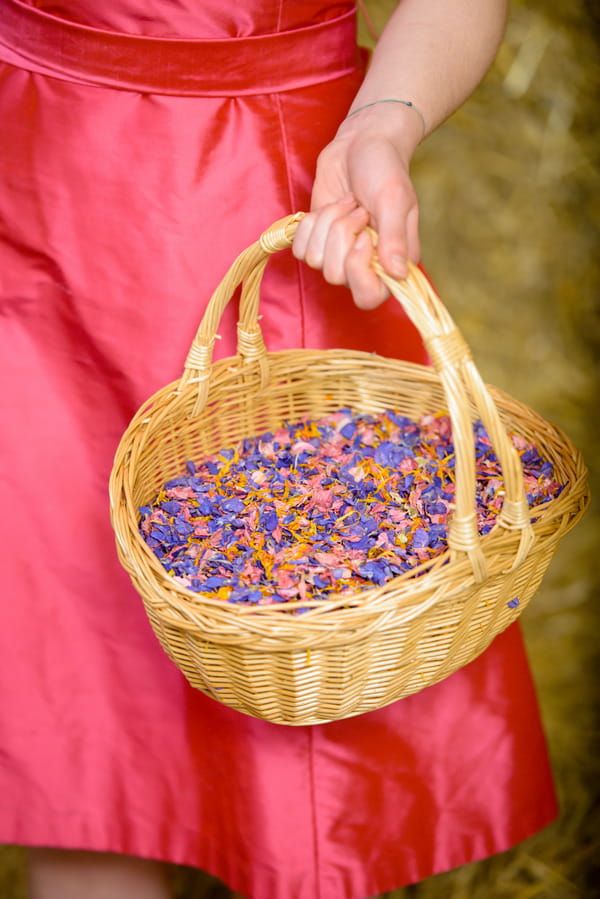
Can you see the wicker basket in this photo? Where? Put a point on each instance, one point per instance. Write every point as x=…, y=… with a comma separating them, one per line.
x=345, y=655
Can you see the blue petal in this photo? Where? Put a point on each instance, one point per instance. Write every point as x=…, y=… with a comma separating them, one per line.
x=233, y=505
x=420, y=538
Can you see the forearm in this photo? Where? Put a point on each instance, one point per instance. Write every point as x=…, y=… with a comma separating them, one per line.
x=433, y=53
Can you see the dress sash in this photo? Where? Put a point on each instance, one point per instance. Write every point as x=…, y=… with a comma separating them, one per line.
x=234, y=66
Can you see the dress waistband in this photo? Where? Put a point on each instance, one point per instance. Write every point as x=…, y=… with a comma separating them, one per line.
x=39, y=42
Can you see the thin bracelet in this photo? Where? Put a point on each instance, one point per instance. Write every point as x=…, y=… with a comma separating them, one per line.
x=408, y=103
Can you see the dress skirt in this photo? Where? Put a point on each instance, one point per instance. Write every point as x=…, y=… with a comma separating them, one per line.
x=142, y=147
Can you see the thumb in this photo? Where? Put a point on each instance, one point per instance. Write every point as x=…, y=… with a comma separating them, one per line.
x=396, y=220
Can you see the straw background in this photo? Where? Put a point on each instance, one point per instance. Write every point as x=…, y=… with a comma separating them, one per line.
x=509, y=193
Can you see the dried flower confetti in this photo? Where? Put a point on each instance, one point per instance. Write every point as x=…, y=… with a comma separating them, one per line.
x=323, y=506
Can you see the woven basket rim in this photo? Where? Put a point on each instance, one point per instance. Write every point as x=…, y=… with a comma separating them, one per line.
x=440, y=567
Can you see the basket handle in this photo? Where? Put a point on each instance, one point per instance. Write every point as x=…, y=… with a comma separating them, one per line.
x=247, y=270
x=450, y=356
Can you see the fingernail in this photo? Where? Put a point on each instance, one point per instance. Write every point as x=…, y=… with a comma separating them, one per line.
x=359, y=211
x=361, y=241
x=398, y=267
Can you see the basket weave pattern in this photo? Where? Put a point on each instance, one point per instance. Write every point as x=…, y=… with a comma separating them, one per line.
x=358, y=652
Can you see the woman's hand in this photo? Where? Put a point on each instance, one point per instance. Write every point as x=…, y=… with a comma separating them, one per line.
x=431, y=55
x=363, y=178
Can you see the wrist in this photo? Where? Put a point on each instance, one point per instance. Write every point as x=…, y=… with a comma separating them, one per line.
x=400, y=122
x=408, y=103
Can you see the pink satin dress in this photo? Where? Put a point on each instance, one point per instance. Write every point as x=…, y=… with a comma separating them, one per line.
x=143, y=144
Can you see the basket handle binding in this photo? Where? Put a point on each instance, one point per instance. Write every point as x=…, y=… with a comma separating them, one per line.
x=451, y=359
